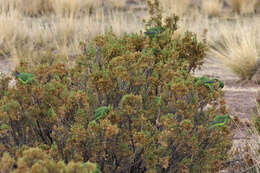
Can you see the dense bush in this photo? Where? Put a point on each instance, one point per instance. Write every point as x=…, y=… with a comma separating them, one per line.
x=130, y=104
x=34, y=160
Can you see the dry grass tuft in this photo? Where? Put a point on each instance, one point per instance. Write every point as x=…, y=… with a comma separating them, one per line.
x=117, y=3
x=28, y=29
x=212, y=8
x=238, y=48
x=35, y=7
x=75, y=8
x=178, y=7
x=243, y=6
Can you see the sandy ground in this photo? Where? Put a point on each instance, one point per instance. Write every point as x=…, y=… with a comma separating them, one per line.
x=6, y=65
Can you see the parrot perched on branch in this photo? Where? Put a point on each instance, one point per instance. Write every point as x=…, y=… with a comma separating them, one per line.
x=220, y=121
x=25, y=78
x=154, y=31
x=208, y=82
x=101, y=112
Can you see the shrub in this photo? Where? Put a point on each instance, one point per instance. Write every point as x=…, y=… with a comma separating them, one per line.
x=130, y=104
x=35, y=160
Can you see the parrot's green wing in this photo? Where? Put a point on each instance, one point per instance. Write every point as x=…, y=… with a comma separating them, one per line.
x=220, y=121
x=25, y=78
x=205, y=81
x=220, y=83
x=209, y=82
x=101, y=112
x=154, y=31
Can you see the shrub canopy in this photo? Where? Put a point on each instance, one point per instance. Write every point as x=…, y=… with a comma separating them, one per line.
x=130, y=104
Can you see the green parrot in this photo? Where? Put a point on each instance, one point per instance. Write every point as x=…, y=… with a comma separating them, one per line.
x=220, y=83
x=220, y=121
x=25, y=78
x=208, y=82
x=101, y=112
x=154, y=31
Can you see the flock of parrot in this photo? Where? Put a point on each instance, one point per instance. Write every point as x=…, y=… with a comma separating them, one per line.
x=103, y=111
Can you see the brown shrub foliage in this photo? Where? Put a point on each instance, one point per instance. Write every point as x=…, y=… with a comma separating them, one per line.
x=130, y=104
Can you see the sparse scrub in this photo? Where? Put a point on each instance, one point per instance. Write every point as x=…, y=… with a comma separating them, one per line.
x=129, y=104
x=104, y=95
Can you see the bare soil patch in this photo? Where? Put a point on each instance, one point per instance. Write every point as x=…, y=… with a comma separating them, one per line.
x=6, y=65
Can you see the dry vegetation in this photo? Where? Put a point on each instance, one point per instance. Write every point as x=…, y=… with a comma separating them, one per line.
x=238, y=46
x=29, y=27
x=212, y=8
x=32, y=28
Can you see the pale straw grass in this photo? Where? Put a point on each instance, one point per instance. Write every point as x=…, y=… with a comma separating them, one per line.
x=243, y=6
x=238, y=47
x=212, y=8
x=178, y=7
x=59, y=32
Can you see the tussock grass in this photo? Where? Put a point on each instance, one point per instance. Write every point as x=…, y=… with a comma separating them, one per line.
x=178, y=7
x=238, y=47
x=26, y=33
x=116, y=3
x=34, y=8
x=212, y=8
x=243, y=6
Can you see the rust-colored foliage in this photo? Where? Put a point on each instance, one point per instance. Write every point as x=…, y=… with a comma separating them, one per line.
x=35, y=160
x=155, y=116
